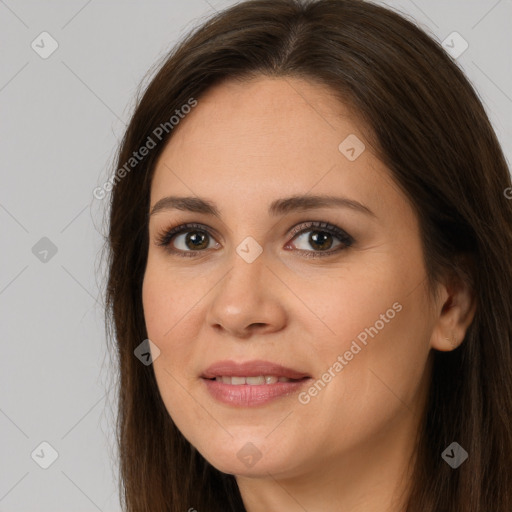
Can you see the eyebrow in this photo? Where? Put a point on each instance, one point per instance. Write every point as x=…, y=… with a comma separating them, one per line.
x=277, y=207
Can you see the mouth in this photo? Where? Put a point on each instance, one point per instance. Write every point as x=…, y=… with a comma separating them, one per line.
x=252, y=383
x=254, y=372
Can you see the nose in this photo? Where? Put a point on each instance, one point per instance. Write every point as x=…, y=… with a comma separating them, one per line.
x=249, y=299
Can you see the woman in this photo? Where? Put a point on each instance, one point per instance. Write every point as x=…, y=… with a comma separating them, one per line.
x=310, y=241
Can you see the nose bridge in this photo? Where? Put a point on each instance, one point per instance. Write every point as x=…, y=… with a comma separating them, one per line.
x=245, y=297
x=247, y=265
x=249, y=250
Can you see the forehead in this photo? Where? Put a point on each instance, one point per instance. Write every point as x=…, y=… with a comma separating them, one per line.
x=266, y=116
x=267, y=137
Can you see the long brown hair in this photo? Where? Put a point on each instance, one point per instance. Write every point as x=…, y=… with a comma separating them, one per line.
x=427, y=125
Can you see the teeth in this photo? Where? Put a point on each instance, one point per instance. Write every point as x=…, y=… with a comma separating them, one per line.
x=255, y=380
x=252, y=381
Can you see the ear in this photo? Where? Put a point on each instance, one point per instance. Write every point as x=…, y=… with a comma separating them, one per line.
x=455, y=310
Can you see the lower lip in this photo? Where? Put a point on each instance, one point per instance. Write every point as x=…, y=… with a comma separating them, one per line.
x=246, y=395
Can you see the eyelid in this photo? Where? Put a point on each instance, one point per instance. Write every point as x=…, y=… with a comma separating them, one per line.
x=319, y=226
x=165, y=236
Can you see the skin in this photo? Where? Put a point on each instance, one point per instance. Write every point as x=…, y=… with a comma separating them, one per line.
x=243, y=146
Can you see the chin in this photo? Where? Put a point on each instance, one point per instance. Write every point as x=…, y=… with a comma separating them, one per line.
x=256, y=458
x=230, y=464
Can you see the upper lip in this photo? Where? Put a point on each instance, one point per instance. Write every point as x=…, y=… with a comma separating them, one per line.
x=250, y=369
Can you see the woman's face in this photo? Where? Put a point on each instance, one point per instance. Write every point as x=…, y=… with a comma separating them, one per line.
x=335, y=291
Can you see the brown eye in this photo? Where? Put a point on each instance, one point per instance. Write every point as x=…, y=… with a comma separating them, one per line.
x=186, y=239
x=321, y=239
x=196, y=240
x=318, y=240
x=192, y=240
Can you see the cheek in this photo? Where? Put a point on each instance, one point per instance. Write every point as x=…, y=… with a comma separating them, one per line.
x=350, y=301
x=167, y=300
x=377, y=324
x=170, y=325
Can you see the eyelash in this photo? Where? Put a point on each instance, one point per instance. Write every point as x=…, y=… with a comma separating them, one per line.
x=164, y=238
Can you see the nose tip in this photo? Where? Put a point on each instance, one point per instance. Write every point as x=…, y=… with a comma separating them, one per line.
x=244, y=303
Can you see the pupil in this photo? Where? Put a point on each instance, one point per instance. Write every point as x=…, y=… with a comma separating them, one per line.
x=198, y=240
x=319, y=238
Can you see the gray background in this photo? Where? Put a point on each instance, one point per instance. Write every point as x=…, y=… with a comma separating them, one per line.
x=61, y=120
